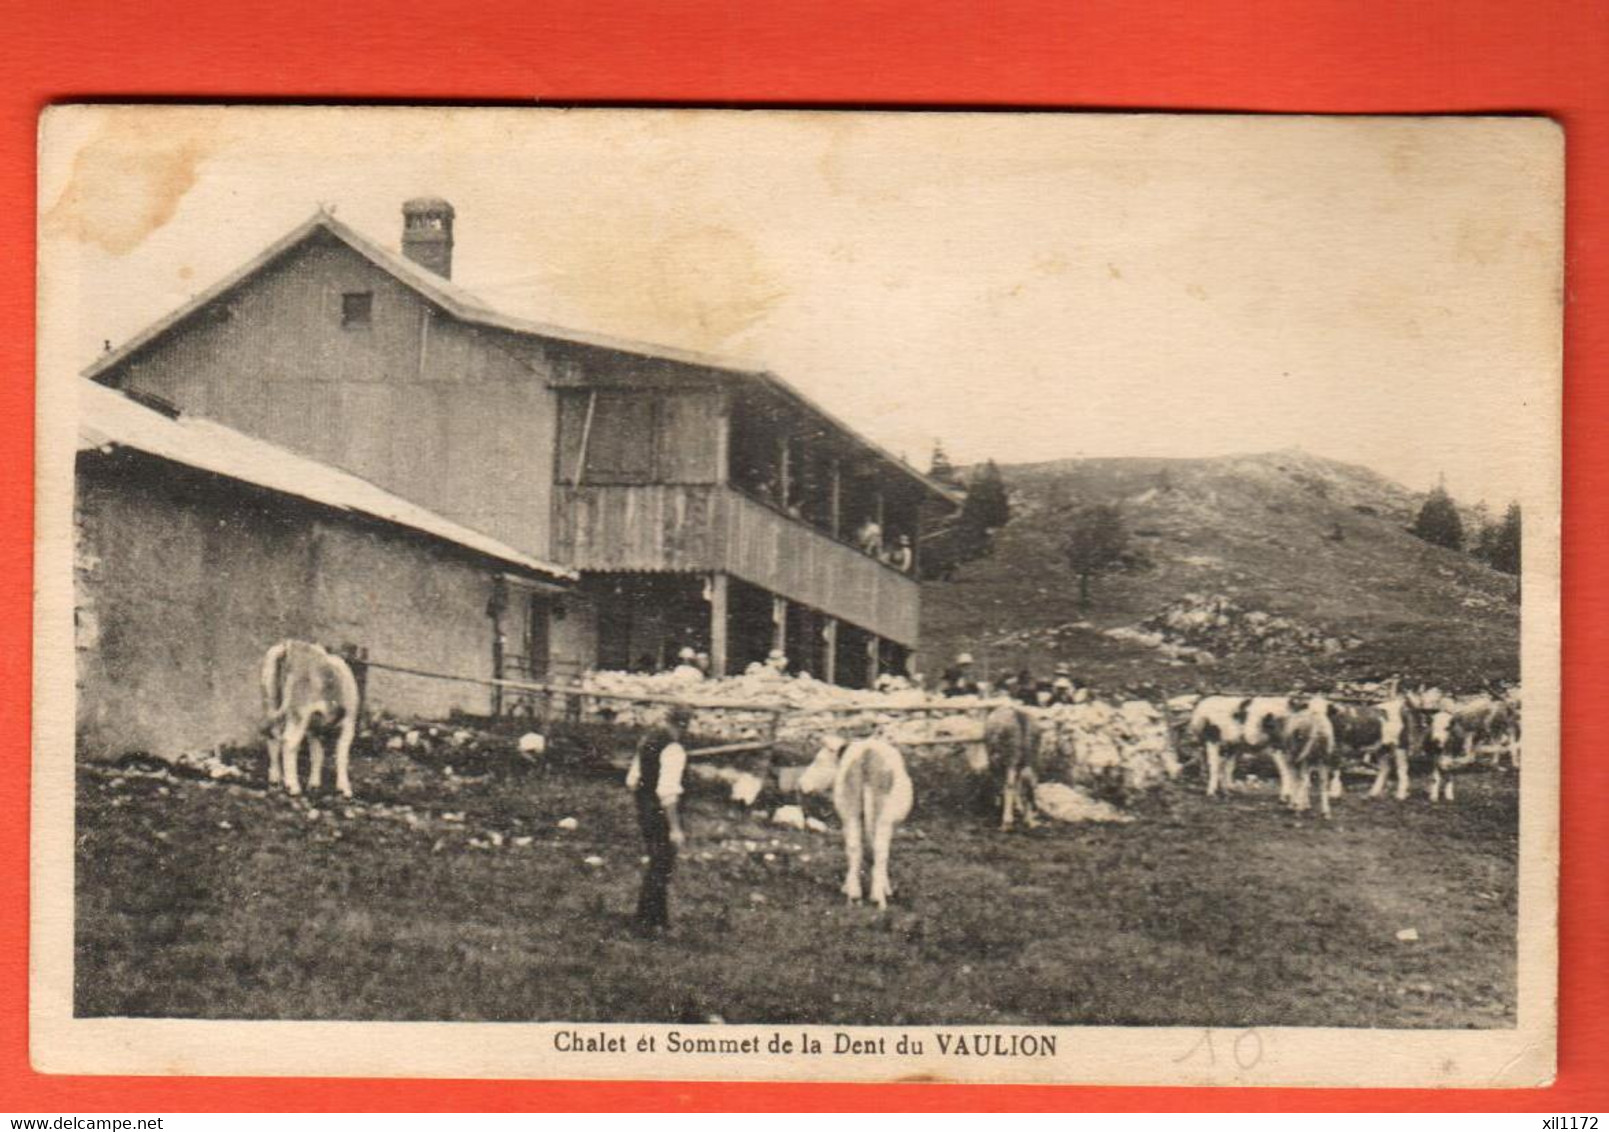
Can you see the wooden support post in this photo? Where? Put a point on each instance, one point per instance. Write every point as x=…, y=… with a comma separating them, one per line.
x=723, y=440
x=829, y=633
x=718, y=587
x=495, y=609
x=784, y=473
x=779, y=624
x=837, y=501
x=916, y=541
x=873, y=659
x=497, y=668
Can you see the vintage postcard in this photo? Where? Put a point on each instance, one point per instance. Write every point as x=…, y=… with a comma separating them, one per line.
x=797, y=595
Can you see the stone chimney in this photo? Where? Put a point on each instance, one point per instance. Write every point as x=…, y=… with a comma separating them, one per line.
x=427, y=234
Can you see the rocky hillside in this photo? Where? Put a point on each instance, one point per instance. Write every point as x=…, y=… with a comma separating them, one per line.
x=1274, y=570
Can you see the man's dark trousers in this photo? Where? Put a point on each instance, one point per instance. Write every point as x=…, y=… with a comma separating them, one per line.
x=653, y=904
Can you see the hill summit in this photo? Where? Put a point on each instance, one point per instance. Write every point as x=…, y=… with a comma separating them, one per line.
x=1258, y=572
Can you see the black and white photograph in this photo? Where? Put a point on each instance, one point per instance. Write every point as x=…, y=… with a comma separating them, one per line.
x=797, y=595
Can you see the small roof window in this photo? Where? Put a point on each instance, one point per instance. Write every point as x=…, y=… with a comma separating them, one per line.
x=357, y=309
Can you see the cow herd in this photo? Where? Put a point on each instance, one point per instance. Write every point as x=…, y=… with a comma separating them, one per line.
x=309, y=694
x=1309, y=737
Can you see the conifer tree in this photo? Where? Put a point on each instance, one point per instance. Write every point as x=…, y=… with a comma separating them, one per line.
x=1438, y=522
x=940, y=469
x=988, y=506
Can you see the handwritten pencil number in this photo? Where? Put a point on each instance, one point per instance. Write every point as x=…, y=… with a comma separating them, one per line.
x=1204, y=1041
x=1247, y=1049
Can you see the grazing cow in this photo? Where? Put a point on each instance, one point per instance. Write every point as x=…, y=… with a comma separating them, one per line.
x=1310, y=745
x=1458, y=735
x=872, y=794
x=1227, y=726
x=1488, y=724
x=1011, y=737
x=1388, y=734
x=309, y=693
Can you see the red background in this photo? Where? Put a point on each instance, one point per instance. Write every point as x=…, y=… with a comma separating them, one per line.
x=1354, y=56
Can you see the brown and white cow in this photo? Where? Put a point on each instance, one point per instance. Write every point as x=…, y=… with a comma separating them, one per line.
x=1011, y=737
x=1228, y=726
x=308, y=693
x=1483, y=724
x=1388, y=734
x=872, y=793
x=1443, y=762
x=1310, y=746
x=1459, y=734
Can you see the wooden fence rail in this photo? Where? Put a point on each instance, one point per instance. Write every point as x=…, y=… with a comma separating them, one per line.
x=776, y=710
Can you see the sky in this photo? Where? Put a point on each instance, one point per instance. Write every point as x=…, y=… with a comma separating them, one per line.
x=1021, y=287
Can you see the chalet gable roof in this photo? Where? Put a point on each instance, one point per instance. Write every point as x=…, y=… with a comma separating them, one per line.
x=107, y=419
x=465, y=306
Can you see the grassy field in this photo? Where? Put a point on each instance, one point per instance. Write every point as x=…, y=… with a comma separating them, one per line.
x=444, y=895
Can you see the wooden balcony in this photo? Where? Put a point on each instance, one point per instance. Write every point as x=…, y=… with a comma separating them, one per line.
x=708, y=527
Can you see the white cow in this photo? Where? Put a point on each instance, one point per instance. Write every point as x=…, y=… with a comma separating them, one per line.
x=872, y=794
x=1226, y=726
x=309, y=693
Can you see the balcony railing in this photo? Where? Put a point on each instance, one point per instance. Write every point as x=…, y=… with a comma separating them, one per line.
x=760, y=500
x=708, y=527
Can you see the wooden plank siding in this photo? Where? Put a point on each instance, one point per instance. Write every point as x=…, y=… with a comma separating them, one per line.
x=706, y=527
x=640, y=436
x=639, y=527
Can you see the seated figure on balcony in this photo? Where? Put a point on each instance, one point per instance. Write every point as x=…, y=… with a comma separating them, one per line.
x=902, y=557
x=870, y=537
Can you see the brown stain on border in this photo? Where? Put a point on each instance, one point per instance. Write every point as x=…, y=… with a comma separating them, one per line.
x=127, y=182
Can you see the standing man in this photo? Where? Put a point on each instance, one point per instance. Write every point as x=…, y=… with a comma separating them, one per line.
x=655, y=781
